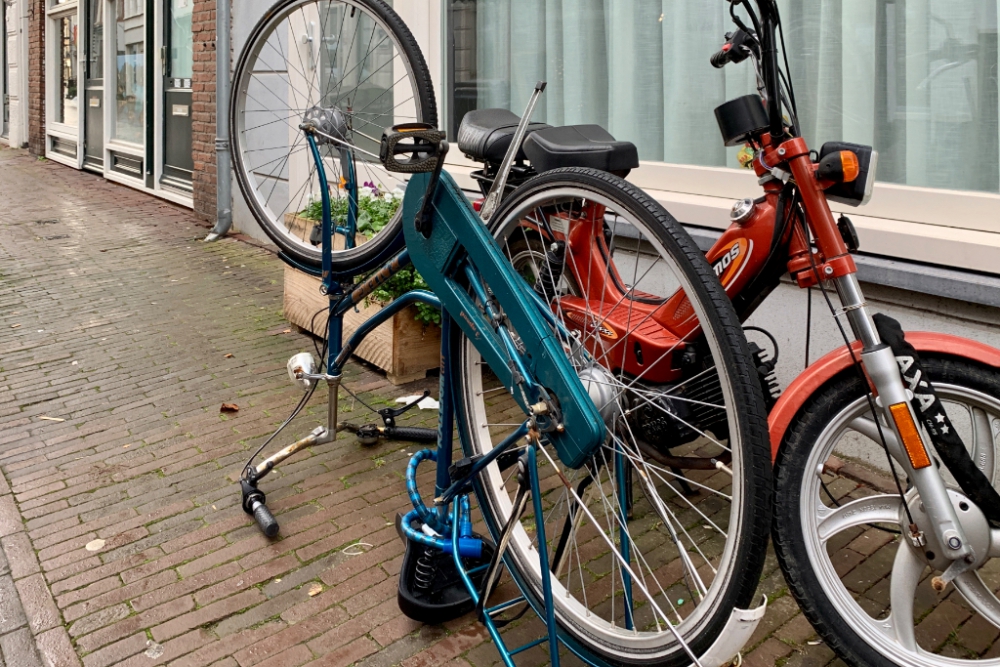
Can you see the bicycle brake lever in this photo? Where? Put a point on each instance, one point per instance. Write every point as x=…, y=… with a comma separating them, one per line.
x=389, y=415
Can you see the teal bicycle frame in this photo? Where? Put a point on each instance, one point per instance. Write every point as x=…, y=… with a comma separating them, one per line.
x=477, y=289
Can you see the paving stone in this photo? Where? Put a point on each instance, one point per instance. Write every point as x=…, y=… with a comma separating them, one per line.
x=38, y=604
x=56, y=649
x=18, y=649
x=10, y=518
x=11, y=612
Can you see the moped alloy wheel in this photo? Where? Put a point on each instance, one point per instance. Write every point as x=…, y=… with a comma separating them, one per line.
x=840, y=530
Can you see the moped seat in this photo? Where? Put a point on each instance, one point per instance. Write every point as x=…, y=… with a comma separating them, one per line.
x=485, y=134
x=579, y=146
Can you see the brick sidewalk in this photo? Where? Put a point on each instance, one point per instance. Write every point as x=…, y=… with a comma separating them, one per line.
x=123, y=540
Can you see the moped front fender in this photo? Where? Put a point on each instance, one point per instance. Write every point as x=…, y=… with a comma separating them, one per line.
x=814, y=377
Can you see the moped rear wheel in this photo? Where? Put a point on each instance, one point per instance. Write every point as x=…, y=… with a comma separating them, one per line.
x=840, y=531
x=689, y=542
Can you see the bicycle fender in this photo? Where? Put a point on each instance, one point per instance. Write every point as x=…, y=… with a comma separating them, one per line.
x=823, y=369
x=737, y=632
x=458, y=236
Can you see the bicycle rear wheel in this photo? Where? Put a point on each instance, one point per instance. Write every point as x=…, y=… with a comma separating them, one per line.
x=357, y=61
x=689, y=535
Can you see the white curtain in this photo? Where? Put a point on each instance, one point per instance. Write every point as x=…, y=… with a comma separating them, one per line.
x=915, y=78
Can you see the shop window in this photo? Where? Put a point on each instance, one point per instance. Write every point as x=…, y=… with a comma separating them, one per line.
x=917, y=79
x=67, y=103
x=181, y=42
x=130, y=78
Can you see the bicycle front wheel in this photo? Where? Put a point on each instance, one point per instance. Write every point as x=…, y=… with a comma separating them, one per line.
x=667, y=524
x=356, y=63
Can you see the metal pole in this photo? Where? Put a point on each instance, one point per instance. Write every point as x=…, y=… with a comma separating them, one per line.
x=223, y=206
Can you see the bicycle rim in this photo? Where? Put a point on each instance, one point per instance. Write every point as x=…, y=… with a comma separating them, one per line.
x=691, y=558
x=353, y=59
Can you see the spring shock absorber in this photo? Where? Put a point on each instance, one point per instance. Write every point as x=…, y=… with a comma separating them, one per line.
x=551, y=270
x=423, y=575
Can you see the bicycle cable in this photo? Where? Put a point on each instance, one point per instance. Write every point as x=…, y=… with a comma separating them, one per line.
x=809, y=315
x=302, y=402
x=767, y=333
x=861, y=375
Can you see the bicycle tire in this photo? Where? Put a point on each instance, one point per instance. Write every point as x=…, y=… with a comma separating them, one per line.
x=849, y=616
x=747, y=423
x=367, y=255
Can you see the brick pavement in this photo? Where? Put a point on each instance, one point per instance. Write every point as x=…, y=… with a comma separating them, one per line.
x=122, y=538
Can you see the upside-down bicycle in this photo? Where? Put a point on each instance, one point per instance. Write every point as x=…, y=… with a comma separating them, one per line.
x=576, y=469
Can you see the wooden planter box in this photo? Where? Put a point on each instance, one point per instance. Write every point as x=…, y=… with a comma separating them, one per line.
x=404, y=348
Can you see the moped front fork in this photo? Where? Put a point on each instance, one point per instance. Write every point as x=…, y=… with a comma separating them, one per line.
x=880, y=365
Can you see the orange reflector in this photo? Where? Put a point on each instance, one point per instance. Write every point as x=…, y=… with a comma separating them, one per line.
x=911, y=436
x=849, y=165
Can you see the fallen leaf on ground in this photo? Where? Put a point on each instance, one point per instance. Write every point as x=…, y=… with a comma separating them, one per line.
x=229, y=407
x=315, y=590
x=229, y=356
x=52, y=419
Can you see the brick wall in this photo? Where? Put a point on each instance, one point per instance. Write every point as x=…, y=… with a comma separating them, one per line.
x=36, y=76
x=203, y=108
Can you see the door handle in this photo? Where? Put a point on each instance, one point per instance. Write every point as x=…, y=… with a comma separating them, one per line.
x=163, y=60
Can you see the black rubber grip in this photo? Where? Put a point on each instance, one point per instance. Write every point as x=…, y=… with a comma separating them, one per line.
x=411, y=433
x=268, y=524
x=721, y=58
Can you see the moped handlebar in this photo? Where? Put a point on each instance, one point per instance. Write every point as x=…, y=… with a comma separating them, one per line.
x=721, y=57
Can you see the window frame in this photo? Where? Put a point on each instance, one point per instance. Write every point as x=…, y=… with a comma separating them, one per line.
x=53, y=129
x=954, y=228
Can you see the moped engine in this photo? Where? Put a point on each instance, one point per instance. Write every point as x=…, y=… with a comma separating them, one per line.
x=681, y=413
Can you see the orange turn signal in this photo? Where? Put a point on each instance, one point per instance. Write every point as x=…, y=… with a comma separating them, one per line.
x=908, y=431
x=849, y=166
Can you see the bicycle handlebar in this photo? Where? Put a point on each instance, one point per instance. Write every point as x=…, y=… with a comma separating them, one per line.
x=721, y=57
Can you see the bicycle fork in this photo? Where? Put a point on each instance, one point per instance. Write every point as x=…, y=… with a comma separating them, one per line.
x=908, y=447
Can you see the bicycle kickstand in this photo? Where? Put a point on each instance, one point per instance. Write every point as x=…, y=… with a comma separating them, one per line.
x=528, y=485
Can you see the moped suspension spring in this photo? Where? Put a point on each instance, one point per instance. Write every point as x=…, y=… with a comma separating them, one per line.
x=551, y=270
x=425, y=571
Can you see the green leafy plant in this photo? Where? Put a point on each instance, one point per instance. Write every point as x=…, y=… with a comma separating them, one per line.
x=374, y=213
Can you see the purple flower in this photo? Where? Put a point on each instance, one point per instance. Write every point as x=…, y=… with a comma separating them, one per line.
x=374, y=188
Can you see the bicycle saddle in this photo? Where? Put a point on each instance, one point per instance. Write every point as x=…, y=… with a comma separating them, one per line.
x=579, y=146
x=485, y=134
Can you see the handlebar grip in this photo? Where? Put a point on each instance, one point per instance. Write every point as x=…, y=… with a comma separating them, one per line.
x=721, y=58
x=411, y=434
x=268, y=524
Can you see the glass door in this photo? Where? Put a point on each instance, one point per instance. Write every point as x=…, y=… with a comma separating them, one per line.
x=178, y=163
x=93, y=111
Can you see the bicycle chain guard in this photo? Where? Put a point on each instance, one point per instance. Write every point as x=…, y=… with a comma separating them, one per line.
x=458, y=237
